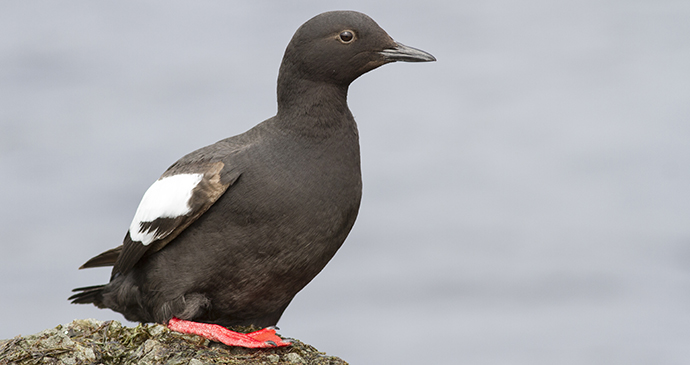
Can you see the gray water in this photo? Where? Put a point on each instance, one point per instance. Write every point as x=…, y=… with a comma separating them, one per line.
x=526, y=197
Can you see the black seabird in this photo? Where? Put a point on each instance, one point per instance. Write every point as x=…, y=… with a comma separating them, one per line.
x=231, y=232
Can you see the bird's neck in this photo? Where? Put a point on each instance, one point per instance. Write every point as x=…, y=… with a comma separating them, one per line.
x=312, y=108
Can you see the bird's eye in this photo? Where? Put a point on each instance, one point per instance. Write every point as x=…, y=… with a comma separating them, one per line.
x=346, y=36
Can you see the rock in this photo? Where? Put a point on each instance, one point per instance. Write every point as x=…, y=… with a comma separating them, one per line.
x=88, y=341
x=294, y=358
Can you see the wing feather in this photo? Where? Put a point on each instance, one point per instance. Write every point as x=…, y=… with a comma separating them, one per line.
x=172, y=203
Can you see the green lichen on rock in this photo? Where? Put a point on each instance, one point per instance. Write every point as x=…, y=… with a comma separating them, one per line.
x=88, y=341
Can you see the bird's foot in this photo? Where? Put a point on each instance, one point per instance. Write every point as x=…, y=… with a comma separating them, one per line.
x=260, y=339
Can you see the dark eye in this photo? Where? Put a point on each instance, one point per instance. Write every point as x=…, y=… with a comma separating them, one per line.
x=346, y=36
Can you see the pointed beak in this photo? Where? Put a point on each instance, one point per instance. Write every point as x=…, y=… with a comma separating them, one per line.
x=404, y=53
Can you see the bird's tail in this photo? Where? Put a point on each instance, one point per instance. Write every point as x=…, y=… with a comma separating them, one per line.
x=88, y=294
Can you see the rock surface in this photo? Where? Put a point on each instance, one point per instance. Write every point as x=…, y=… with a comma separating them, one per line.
x=89, y=341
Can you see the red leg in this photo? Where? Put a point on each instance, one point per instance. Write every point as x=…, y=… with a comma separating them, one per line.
x=260, y=339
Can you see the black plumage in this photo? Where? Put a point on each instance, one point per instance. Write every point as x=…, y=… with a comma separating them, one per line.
x=266, y=209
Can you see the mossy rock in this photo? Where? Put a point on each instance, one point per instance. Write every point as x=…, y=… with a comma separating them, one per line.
x=89, y=341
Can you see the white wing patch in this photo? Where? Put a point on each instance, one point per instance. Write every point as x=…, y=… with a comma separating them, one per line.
x=168, y=197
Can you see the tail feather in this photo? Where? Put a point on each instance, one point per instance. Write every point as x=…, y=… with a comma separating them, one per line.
x=88, y=294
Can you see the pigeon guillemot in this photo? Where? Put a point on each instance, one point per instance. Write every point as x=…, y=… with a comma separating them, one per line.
x=231, y=232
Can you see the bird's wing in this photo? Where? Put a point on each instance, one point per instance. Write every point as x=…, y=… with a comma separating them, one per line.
x=181, y=195
x=170, y=205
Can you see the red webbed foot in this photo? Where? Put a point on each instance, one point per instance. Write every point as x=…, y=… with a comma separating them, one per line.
x=260, y=339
